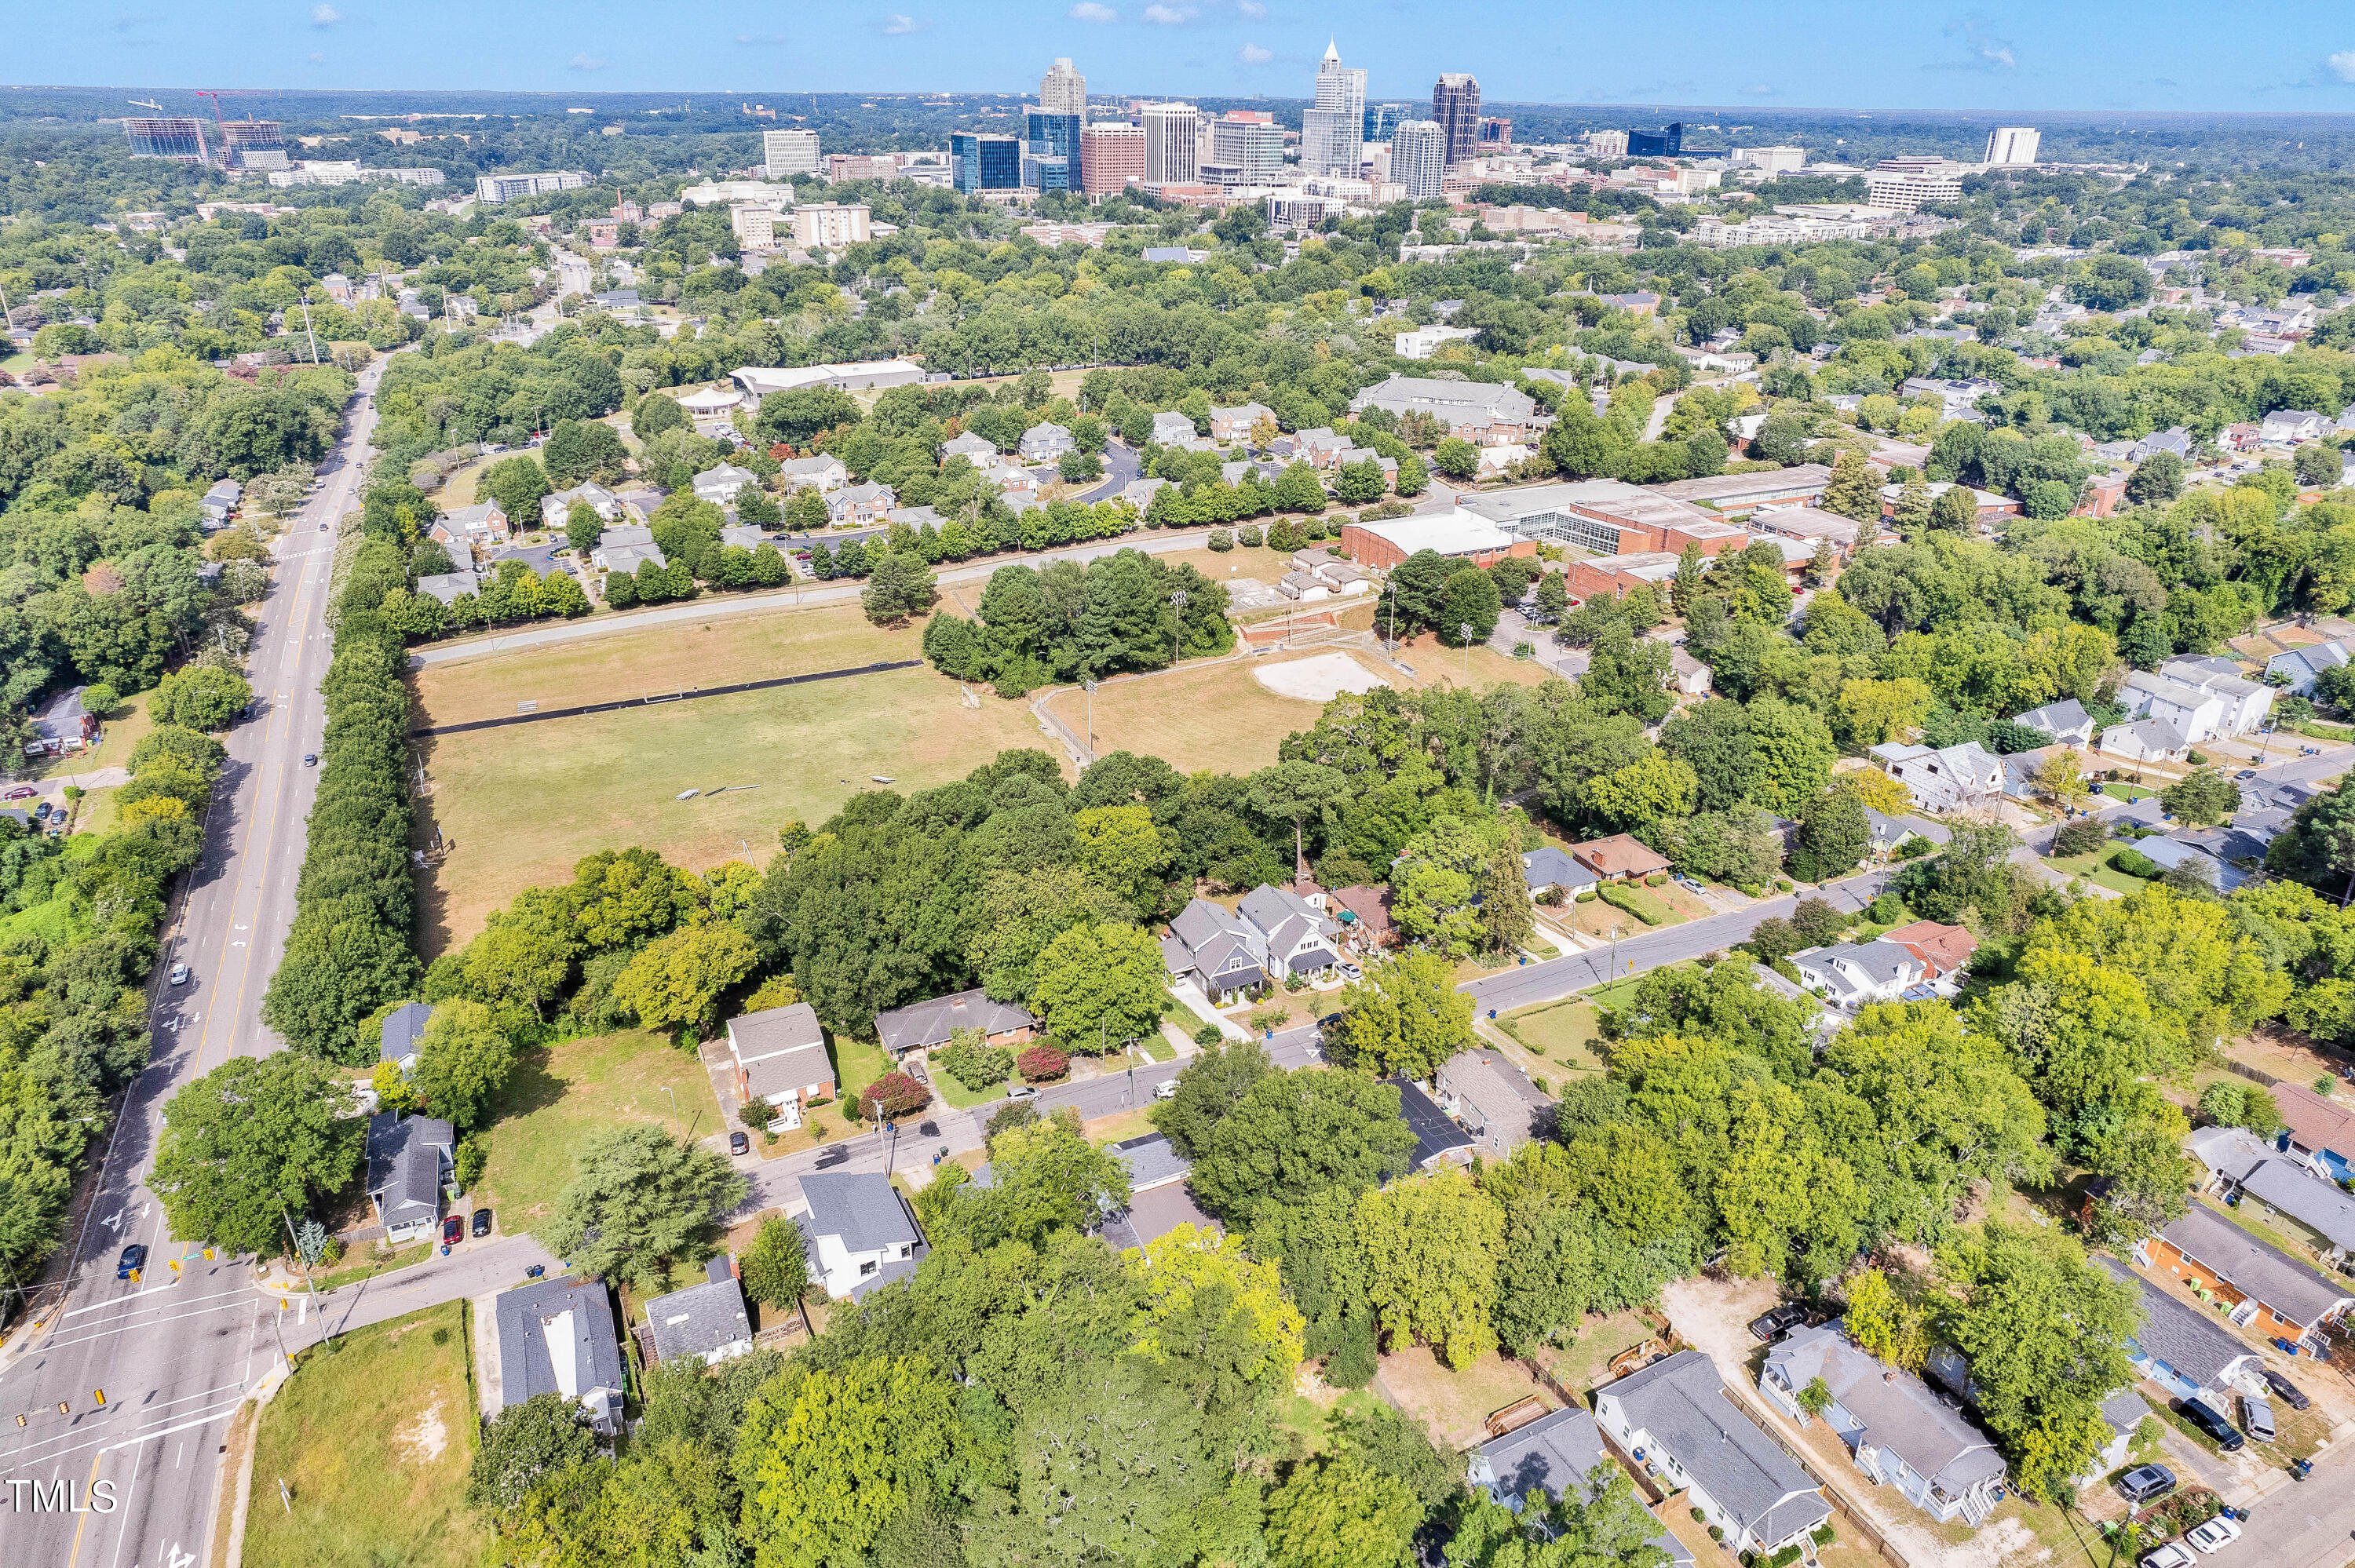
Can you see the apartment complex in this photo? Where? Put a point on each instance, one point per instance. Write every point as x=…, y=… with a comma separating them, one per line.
x=784, y=154
x=1419, y=158
x=495, y=190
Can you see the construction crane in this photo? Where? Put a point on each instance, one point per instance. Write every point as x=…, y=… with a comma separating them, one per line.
x=143, y=103
x=217, y=95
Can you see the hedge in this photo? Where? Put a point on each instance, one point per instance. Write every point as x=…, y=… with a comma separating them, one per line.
x=2133, y=862
x=1635, y=902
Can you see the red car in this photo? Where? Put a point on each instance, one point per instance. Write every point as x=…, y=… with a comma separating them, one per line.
x=22, y=792
x=453, y=1230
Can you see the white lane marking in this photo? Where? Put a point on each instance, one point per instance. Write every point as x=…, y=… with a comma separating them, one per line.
x=111, y=1329
x=130, y=1483
x=121, y=1300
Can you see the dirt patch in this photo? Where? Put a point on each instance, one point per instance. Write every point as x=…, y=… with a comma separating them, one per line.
x=1319, y=678
x=1452, y=1405
x=423, y=1440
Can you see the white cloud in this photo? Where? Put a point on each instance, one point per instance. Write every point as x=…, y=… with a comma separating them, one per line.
x=1169, y=16
x=1252, y=54
x=318, y=58
x=2342, y=65
x=1982, y=50
x=1251, y=9
x=325, y=15
x=584, y=62
x=1089, y=11
x=896, y=24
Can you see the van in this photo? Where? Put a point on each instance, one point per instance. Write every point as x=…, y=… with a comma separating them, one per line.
x=1166, y=1090
x=2257, y=1417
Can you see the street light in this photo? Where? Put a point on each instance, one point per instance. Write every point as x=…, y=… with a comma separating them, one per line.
x=1177, y=601
x=1091, y=686
x=1464, y=633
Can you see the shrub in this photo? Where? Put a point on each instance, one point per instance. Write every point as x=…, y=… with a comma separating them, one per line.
x=1221, y=540
x=473, y=1153
x=1698, y=1516
x=2133, y=862
x=2080, y=837
x=1825, y=1536
x=1785, y=1558
x=894, y=1094
x=1782, y=884
x=1041, y=1065
x=1657, y=879
x=756, y=1113
x=1248, y=533
x=2197, y=758
x=1208, y=1034
x=972, y=1062
x=1587, y=896
x=1635, y=902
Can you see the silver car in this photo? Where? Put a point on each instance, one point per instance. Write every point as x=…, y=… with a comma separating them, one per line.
x=2256, y=1418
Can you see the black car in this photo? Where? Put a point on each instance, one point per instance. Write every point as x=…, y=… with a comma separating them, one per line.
x=2146, y=1483
x=1772, y=1325
x=738, y=1143
x=2205, y=1417
x=2290, y=1393
x=134, y=1259
x=482, y=1222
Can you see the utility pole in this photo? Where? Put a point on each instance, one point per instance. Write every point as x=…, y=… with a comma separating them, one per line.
x=1463, y=630
x=309, y=333
x=1176, y=633
x=1091, y=686
x=314, y=1284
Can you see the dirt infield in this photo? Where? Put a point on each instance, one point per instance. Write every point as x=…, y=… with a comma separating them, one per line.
x=1318, y=679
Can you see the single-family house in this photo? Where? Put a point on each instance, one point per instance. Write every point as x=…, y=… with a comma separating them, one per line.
x=1158, y=1199
x=1363, y=916
x=858, y=504
x=2177, y=441
x=1171, y=428
x=1139, y=493
x=1619, y=857
x=2145, y=740
x=862, y=1232
x=2167, y=854
x=1888, y=832
x=2246, y=1169
x=2177, y=1347
x=2321, y=1131
x=448, y=587
x=825, y=471
x=706, y=1321
x=1851, y=974
x=720, y=485
x=1898, y=1431
x=1438, y=1139
x=2301, y=666
x=742, y=536
x=927, y=1025
x=1677, y=1420
x=1944, y=779
x=60, y=726
x=2122, y=1412
x=478, y=527
x=2064, y=723
x=1491, y=1099
x=410, y=1159
x=1546, y=869
x=403, y=1035
x=780, y=1056
x=2293, y=427
x=1554, y=1457
x=1943, y=950
x=620, y=548
x=1231, y=424
x=2270, y=1293
x=220, y=503
x=976, y=449
x=1272, y=933
x=1045, y=442
x=555, y=1336
x=554, y=509
x=1688, y=676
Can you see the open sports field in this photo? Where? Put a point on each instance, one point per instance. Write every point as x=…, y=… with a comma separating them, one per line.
x=519, y=805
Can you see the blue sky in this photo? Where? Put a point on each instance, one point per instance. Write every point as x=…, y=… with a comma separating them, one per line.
x=2274, y=54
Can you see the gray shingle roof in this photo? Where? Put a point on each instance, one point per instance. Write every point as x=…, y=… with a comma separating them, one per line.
x=1899, y=1415
x=404, y=1030
x=2319, y=1206
x=1687, y=1408
x=2197, y=1349
x=541, y=1351
x=699, y=1320
x=863, y=1209
x=1553, y=1455
x=404, y=1166
x=922, y=1024
x=448, y=587
x=2297, y=1291
x=1551, y=867
x=1151, y=1162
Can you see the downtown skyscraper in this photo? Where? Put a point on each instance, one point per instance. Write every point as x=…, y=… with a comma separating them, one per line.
x=1333, y=129
x=1456, y=108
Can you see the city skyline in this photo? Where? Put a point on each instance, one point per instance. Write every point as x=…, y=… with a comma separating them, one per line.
x=2006, y=57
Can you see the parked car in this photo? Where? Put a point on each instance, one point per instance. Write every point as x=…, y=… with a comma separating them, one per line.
x=2211, y=1421
x=134, y=1259
x=2171, y=1555
x=1021, y=1092
x=2246, y=773
x=2146, y=1483
x=1352, y=972
x=180, y=975
x=2291, y=1394
x=1773, y=1324
x=738, y=1143
x=41, y=812
x=453, y=1231
x=1166, y=1090
x=482, y=1222
x=2215, y=1535
x=2257, y=1417
x=23, y=793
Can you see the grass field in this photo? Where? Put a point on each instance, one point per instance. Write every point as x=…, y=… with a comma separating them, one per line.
x=372, y=1440
x=2096, y=868
x=560, y=1096
x=520, y=806
x=1558, y=1033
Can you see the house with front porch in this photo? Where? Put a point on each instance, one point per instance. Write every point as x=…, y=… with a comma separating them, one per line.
x=2177, y=1348
x=859, y=1233
x=1851, y=974
x=1274, y=933
x=2269, y=1293
x=410, y=1160
x=780, y=1056
x=1898, y=1431
x=1677, y=1420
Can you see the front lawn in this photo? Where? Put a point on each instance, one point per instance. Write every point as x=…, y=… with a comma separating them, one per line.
x=562, y=1095
x=372, y=1437
x=1562, y=1031
x=2096, y=868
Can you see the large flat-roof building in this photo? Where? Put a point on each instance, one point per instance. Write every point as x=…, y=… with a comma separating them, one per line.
x=1455, y=533
x=784, y=154
x=1608, y=517
x=1111, y=157
x=495, y=190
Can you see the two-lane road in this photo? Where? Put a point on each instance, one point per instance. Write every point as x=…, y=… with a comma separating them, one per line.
x=175, y=1349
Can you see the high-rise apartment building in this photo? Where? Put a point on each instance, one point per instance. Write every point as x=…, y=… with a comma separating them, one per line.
x=1111, y=154
x=2009, y=144
x=785, y=153
x=252, y=144
x=1063, y=90
x=1419, y=158
x=1052, y=159
x=1169, y=144
x=1455, y=108
x=492, y=190
x=179, y=137
x=1246, y=149
x=1333, y=129
x=986, y=162
x=831, y=226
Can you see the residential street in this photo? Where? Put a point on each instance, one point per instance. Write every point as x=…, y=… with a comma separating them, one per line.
x=174, y=1352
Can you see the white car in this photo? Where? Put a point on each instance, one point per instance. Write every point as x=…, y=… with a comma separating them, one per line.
x=2171, y=1555
x=1166, y=1090
x=2215, y=1535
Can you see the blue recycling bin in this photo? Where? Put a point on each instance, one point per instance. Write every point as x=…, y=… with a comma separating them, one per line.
x=1492, y=1015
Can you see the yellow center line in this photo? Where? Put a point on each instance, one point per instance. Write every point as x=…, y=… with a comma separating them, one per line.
x=83, y=1523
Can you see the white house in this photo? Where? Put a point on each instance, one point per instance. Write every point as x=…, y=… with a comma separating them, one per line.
x=2302, y=666
x=1948, y=779
x=1849, y=974
x=1044, y=442
x=1897, y=1430
x=707, y=1322
x=1546, y=868
x=2201, y=698
x=1678, y=1421
x=823, y=472
x=2145, y=740
x=555, y=1336
x=554, y=509
x=976, y=449
x=410, y=1159
x=1554, y=1457
x=780, y=1057
x=860, y=1233
x=220, y=503
x=1274, y=932
x=720, y=485
x=1171, y=430
x=2064, y=723
x=2289, y=427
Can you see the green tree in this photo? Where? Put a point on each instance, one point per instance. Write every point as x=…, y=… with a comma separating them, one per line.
x=524, y=1443
x=1853, y=491
x=1430, y=1246
x=1645, y=797
x=1884, y=1324
x=1471, y=601
x=1208, y=1087
x=638, y=1199
x=1405, y=1017
x=676, y=981
x=1122, y=852
x=898, y=585
x=462, y=1063
x=201, y=697
x=255, y=1140
x=776, y=1267
x=1333, y=1512
x=1456, y=458
x=827, y=1458
x=582, y=449
x=798, y=417
x=1099, y=985
x=2202, y=796
x=1295, y=1135
x=1293, y=791
x=1833, y=837
x=516, y=484
x=655, y=414
x=1044, y=1178
x=582, y=527
x=1956, y=510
